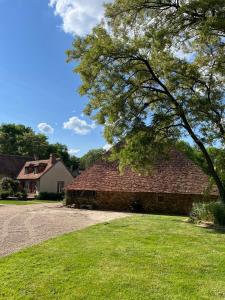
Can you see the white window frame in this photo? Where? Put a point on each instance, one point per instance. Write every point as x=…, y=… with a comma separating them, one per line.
x=60, y=186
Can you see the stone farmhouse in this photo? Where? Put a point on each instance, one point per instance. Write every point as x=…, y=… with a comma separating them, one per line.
x=171, y=188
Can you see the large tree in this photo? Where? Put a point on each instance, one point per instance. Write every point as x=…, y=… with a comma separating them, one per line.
x=22, y=140
x=154, y=73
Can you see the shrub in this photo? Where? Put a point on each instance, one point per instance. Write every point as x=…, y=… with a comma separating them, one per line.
x=9, y=184
x=219, y=213
x=22, y=195
x=202, y=212
x=50, y=196
x=208, y=212
x=4, y=194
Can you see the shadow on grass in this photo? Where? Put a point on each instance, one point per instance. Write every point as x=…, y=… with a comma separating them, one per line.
x=212, y=228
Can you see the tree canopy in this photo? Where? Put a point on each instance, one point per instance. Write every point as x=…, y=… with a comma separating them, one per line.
x=21, y=140
x=154, y=73
x=87, y=160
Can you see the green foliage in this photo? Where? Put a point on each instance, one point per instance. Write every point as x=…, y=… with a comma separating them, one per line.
x=59, y=150
x=22, y=140
x=202, y=211
x=4, y=194
x=217, y=156
x=192, y=152
x=74, y=162
x=219, y=213
x=90, y=158
x=21, y=195
x=9, y=185
x=209, y=212
x=50, y=196
x=156, y=75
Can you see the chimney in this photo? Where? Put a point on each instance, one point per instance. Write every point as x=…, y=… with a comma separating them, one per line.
x=52, y=159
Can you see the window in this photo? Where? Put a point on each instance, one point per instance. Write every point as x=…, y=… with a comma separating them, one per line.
x=26, y=170
x=27, y=184
x=35, y=170
x=60, y=186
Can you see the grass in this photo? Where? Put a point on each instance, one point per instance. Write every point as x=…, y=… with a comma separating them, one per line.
x=26, y=202
x=142, y=257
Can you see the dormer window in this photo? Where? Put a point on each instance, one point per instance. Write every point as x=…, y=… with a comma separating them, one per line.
x=26, y=170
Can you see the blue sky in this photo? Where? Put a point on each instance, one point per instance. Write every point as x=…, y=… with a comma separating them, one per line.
x=37, y=86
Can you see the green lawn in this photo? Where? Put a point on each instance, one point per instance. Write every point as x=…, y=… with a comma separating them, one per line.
x=25, y=202
x=142, y=257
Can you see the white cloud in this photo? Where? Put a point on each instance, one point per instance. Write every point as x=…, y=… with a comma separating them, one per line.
x=45, y=128
x=78, y=16
x=78, y=126
x=73, y=151
x=107, y=147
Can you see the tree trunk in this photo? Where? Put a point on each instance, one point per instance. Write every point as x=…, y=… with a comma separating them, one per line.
x=208, y=159
x=187, y=126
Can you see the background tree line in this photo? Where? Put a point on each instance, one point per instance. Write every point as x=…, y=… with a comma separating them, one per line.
x=21, y=140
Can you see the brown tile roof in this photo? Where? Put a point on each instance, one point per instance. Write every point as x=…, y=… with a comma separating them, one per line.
x=10, y=165
x=23, y=176
x=175, y=175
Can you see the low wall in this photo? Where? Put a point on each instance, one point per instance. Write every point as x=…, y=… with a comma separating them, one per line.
x=151, y=202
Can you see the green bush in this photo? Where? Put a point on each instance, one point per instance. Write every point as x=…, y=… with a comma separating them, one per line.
x=208, y=212
x=9, y=184
x=21, y=195
x=202, y=212
x=4, y=195
x=50, y=196
x=219, y=213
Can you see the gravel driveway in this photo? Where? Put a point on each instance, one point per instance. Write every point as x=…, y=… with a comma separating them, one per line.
x=22, y=226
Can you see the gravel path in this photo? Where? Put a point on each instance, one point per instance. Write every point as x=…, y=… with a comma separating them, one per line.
x=22, y=226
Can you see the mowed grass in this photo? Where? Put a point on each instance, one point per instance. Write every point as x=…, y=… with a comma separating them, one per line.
x=26, y=202
x=140, y=257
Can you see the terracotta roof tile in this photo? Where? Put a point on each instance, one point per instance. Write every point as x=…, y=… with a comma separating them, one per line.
x=175, y=175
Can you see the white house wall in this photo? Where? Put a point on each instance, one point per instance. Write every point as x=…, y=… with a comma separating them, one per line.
x=48, y=182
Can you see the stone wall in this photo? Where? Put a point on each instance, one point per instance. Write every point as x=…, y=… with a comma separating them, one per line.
x=150, y=202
